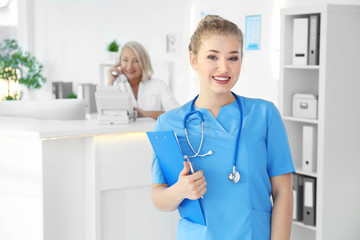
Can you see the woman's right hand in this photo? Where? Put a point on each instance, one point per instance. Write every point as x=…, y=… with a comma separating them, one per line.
x=191, y=186
x=113, y=73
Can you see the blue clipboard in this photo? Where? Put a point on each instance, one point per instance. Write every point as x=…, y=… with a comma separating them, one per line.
x=168, y=153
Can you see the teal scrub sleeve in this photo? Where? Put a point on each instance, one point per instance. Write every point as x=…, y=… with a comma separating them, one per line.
x=157, y=175
x=278, y=149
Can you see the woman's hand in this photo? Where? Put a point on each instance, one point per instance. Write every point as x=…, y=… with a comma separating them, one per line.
x=150, y=114
x=140, y=113
x=167, y=198
x=191, y=186
x=112, y=77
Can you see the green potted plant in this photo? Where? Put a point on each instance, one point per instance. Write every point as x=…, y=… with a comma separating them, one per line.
x=113, y=49
x=113, y=46
x=17, y=66
x=71, y=95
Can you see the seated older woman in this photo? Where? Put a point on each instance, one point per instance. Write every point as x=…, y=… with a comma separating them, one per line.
x=151, y=96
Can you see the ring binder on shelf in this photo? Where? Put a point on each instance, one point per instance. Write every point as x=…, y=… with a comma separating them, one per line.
x=300, y=41
x=309, y=149
x=314, y=39
x=298, y=192
x=309, y=201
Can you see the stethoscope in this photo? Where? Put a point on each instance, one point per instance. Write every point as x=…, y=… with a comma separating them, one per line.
x=233, y=176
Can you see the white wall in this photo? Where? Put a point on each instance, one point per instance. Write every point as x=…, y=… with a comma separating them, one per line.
x=8, y=14
x=259, y=76
x=70, y=37
x=8, y=21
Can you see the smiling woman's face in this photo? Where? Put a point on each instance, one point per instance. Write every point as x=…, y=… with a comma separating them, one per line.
x=130, y=64
x=218, y=63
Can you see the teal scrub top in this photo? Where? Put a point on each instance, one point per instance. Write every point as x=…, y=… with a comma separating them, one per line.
x=232, y=210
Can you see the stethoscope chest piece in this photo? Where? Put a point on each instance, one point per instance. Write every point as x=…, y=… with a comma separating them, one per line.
x=234, y=176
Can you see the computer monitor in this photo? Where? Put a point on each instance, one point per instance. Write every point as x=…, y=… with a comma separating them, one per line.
x=113, y=105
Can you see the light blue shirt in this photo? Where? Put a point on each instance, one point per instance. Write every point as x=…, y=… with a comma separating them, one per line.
x=232, y=210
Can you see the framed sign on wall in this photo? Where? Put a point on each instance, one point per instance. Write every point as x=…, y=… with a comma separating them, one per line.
x=252, y=32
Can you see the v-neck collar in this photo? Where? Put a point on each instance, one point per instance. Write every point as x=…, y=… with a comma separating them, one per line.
x=227, y=119
x=134, y=100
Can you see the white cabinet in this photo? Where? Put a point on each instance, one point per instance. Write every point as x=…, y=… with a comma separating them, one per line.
x=65, y=180
x=336, y=82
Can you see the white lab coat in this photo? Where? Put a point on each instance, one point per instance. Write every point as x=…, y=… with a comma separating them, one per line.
x=153, y=95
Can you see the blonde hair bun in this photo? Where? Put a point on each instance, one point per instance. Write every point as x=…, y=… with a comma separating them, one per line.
x=210, y=25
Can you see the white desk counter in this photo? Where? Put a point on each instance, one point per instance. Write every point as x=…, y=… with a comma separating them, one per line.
x=65, y=180
x=27, y=127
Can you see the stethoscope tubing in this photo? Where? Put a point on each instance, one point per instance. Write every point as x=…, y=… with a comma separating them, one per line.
x=193, y=111
x=239, y=132
x=201, y=141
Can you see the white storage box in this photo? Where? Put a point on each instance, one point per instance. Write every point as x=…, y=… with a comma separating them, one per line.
x=305, y=106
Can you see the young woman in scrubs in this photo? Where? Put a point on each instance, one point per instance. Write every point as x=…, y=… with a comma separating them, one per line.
x=241, y=210
x=151, y=96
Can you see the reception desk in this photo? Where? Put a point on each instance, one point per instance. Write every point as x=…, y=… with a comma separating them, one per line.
x=78, y=180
